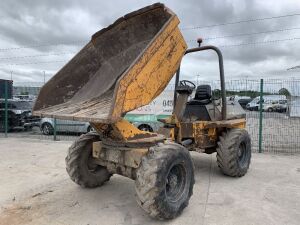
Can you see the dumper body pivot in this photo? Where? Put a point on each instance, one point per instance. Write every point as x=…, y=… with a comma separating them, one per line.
x=126, y=66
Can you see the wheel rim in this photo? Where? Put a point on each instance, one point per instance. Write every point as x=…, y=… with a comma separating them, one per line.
x=144, y=128
x=175, y=182
x=46, y=129
x=242, y=155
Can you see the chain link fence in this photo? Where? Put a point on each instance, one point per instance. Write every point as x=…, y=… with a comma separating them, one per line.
x=272, y=110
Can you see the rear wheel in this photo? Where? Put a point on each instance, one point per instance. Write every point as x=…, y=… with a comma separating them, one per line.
x=234, y=152
x=80, y=166
x=145, y=127
x=47, y=129
x=165, y=181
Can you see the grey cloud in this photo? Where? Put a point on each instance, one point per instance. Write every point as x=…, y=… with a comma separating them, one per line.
x=29, y=22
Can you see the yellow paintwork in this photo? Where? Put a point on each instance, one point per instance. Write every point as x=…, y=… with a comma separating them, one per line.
x=172, y=134
x=128, y=131
x=234, y=123
x=241, y=125
x=212, y=133
x=149, y=76
x=122, y=130
x=203, y=132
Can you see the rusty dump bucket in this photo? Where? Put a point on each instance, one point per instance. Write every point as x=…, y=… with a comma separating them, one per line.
x=123, y=67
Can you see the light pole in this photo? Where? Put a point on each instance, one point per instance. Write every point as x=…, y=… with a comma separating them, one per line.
x=198, y=79
x=246, y=83
x=44, y=77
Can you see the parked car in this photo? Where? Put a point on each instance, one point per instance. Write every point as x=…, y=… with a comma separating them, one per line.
x=269, y=103
x=47, y=126
x=18, y=114
x=30, y=98
x=270, y=106
x=145, y=122
x=253, y=105
x=275, y=106
x=244, y=101
x=281, y=106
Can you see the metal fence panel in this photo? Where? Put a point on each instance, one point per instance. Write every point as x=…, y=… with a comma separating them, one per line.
x=280, y=115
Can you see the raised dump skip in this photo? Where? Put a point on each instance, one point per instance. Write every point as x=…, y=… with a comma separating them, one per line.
x=123, y=67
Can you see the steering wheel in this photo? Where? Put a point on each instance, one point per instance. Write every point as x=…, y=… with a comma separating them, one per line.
x=187, y=83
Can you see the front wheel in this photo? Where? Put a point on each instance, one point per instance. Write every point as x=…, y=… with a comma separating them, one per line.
x=80, y=166
x=165, y=180
x=234, y=152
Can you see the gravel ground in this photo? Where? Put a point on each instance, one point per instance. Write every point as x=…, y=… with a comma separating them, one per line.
x=35, y=189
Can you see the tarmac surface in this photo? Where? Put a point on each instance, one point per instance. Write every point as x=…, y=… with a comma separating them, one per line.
x=35, y=189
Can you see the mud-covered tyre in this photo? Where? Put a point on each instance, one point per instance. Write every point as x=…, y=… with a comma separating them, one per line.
x=79, y=164
x=234, y=152
x=165, y=180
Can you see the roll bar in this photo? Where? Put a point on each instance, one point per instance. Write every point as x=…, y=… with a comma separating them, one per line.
x=221, y=69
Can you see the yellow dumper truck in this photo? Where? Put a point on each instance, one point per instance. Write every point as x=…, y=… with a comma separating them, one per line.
x=123, y=67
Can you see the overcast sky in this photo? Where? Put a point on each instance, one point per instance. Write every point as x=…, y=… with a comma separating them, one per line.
x=37, y=36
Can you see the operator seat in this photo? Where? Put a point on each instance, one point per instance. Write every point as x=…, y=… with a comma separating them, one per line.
x=202, y=96
x=195, y=109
